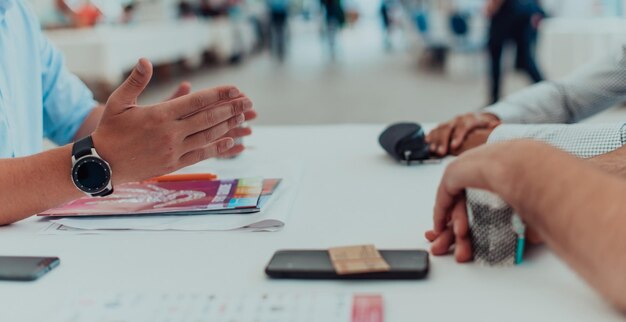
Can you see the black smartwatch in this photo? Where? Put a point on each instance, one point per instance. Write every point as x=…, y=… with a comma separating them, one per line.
x=90, y=173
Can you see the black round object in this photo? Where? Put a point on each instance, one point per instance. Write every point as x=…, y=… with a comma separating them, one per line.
x=405, y=142
x=91, y=174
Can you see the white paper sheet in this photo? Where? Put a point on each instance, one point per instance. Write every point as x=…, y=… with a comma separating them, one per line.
x=179, y=307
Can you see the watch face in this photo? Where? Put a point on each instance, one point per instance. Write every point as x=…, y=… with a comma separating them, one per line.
x=91, y=174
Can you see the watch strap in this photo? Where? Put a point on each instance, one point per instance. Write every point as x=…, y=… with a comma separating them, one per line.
x=103, y=193
x=82, y=147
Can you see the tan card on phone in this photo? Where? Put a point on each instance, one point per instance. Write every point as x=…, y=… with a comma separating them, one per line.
x=357, y=260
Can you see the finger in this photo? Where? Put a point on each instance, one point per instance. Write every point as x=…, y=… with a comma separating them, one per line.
x=443, y=203
x=460, y=227
x=187, y=105
x=429, y=136
x=443, y=142
x=183, y=89
x=236, y=150
x=431, y=235
x=132, y=87
x=462, y=129
x=239, y=132
x=433, y=138
x=533, y=237
x=460, y=222
x=212, y=150
x=463, y=250
x=203, y=138
x=213, y=116
x=250, y=115
x=441, y=245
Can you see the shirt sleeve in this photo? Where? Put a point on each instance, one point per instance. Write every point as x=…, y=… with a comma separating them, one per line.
x=582, y=140
x=586, y=92
x=66, y=99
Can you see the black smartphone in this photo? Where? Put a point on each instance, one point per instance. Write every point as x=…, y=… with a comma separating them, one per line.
x=16, y=268
x=316, y=264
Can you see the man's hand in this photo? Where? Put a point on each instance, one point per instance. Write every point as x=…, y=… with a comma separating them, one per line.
x=452, y=137
x=486, y=168
x=146, y=141
x=239, y=132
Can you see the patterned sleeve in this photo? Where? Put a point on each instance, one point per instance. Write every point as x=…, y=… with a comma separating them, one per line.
x=588, y=91
x=582, y=140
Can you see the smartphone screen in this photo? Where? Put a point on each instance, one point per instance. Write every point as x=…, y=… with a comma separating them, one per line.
x=316, y=264
x=16, y=268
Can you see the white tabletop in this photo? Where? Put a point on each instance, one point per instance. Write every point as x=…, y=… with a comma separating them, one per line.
x=350, y=193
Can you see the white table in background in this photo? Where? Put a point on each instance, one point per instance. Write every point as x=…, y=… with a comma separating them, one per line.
x=350, y=193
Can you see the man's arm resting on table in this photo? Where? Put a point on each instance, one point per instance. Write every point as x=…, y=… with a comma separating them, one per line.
x=577, y=209
x=35, y=183
x=139, y=142
x=586, y=92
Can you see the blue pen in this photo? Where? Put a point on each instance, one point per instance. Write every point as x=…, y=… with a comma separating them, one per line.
x=520, y=230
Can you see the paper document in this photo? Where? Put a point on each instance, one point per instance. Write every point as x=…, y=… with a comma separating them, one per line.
x=275, y=208
x=180, y=197
x=180, y=307
x=273, y=214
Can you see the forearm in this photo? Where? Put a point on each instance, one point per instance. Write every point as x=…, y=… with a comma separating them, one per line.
x=579, y=211
x=586, y=92
x=36, y=183
x=90, y=123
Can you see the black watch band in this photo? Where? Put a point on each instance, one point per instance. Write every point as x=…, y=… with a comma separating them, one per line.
x=84, y=148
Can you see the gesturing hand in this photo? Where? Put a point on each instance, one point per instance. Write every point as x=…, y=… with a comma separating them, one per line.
x=184, y=88
x=453, y=137
x=141, y=142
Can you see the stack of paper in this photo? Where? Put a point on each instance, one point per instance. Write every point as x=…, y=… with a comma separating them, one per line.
x=218, y=205
x=174, y=198
x=270, y=213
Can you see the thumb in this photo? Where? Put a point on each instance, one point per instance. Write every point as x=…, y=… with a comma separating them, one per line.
x=132, y=87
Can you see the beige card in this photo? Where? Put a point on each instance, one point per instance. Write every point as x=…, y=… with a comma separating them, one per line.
x=357, y=260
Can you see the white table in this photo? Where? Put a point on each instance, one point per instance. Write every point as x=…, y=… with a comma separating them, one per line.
x=350, y=193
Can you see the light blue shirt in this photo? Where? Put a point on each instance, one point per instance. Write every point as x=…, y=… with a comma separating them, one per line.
x=39, y=97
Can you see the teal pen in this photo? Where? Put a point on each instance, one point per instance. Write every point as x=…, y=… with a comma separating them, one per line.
x=520, y=230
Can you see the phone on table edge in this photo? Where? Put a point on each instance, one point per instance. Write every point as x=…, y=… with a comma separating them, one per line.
x=23, y=268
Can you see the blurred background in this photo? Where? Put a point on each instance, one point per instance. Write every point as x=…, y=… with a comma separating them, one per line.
x=328, y=61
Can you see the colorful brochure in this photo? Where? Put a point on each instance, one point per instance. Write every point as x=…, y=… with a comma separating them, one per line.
x=177, y=197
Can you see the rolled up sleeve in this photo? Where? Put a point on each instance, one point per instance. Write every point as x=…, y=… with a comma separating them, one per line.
x=66, y=99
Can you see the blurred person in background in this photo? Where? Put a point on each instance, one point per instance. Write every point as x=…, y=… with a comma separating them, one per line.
x=512, y=20
x=124, y=141
x=386, y=9
x=82, y=15
x=279, y=18
x=334, y=18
